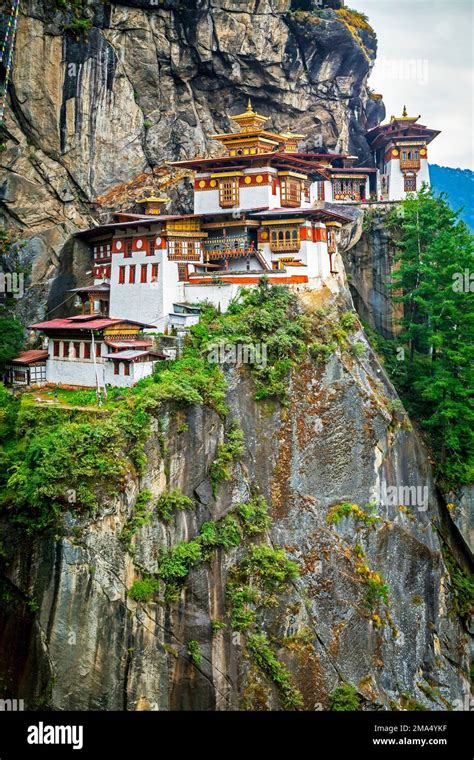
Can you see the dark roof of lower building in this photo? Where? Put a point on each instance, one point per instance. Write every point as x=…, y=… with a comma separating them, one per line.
x=321, y=212
x=131, y=355
x=85, y=322
x=30, y=357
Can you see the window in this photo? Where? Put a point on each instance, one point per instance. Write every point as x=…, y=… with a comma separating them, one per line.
x=409, y=184
x=97, y=349
x=229, y=192
x=126, y=368
x=131, y=274
x=121, y=275
x=128, y=250
x=76, y=350
x=116, y=368
x=154, y=272
x=182, y=272
x=348, y=188
x=56, y=348
x=150, y=250
x=87, y=350
x=290, y=191
x=285, y=239
x=143, y=272
x=320, y=189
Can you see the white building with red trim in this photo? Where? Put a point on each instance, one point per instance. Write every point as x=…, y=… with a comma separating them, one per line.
x=94, y=351
x=263, y=208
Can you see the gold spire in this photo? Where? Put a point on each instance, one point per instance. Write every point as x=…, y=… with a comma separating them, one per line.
x=405, y=117
x=250, y=119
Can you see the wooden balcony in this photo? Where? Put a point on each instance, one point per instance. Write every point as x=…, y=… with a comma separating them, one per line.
x=184, y=257
x=292, y=202
x=410, y=163
x=287, y=246
x=228, y=253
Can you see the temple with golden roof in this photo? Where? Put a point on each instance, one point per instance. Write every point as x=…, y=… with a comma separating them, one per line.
x=261, y=209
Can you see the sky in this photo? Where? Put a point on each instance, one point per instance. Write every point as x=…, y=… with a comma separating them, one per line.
x=425, y=61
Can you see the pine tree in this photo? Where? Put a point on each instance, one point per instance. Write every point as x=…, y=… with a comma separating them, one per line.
x=431, y=278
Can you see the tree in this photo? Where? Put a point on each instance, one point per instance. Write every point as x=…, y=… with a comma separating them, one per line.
x=11, y=329
x=431, y=278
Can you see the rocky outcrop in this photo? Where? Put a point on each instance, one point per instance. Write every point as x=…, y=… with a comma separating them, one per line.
x=369, y=249
x=145, y=85
x=342, y=439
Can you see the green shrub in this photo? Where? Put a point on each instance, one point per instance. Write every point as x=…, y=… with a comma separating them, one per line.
x=194, y=652
x=141, y=515
x=239, y=598
x=321, y=352
x=229, y=532
x=227, y=453
x=347, y=509
x=171, y=501
x=344, y=698
x=348, y=320
x=254, y=516
x=266, y=659
x=175, y=564
x=79, y=25
x=270, y=567
x=144, y=590
x=358, y=348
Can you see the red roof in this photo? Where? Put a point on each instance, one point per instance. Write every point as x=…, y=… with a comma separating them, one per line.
x=30, y=357
x=84, y=322
x=350, y=169
x=129, y=343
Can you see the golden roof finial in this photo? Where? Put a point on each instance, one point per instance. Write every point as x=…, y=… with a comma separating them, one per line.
x=405, y=112
x=249, y=120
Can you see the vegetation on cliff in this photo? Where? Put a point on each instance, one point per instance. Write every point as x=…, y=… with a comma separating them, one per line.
x=433, y=371
x=73, y=454
x=12, y=331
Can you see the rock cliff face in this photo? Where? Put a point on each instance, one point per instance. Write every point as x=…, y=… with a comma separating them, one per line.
x=149, y=83
x=84, y=644
x=369, y=250
x=146, y=86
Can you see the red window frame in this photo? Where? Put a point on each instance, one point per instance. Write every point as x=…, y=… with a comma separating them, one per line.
x=183, y=272
x=56, y=348
x=143, y=272
x=87, y=350
x=150, y=250
x=131, y=274
x=128, y=249
x=154, y=272
x=116, y=368
x=76, y=350
x=97, y=350
x=126, y=368
x=121, y=275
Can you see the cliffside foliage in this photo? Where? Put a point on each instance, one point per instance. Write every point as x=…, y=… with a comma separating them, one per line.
x=345, y=698
x=12, y=331
x=264, y=316
x=170, y=502
x=227, y=453
x=434, y=371
x=58, y=463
